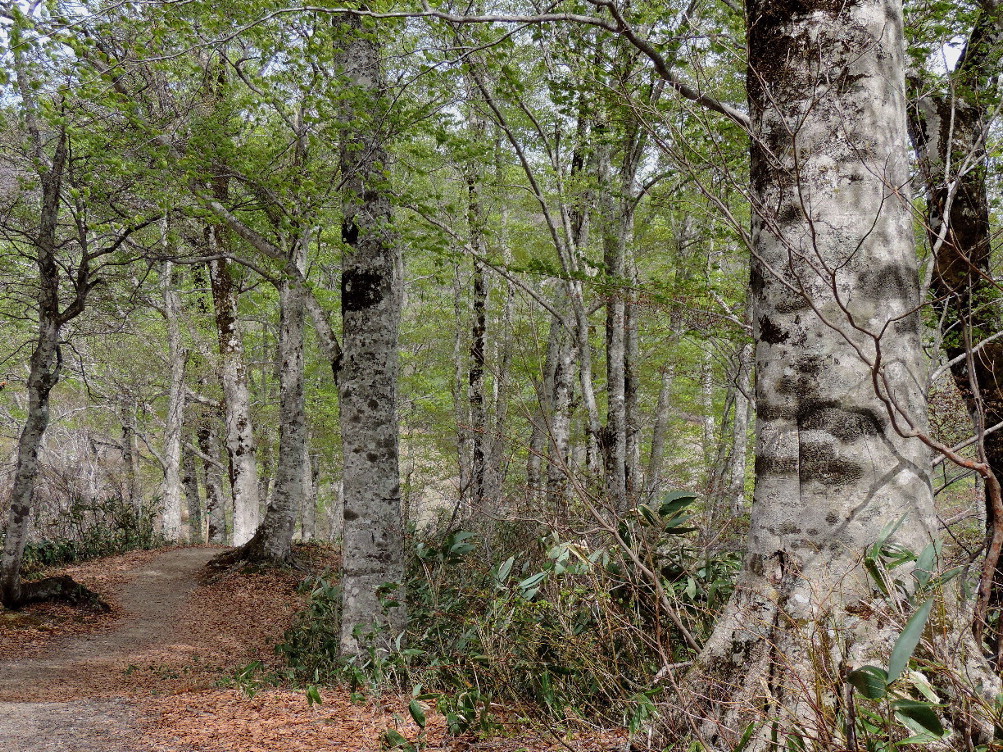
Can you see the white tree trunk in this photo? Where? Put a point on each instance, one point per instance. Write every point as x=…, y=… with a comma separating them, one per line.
x=171, y=491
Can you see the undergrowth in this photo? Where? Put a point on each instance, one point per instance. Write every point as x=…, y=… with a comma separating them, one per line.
x=572, y=630
x=97, y=528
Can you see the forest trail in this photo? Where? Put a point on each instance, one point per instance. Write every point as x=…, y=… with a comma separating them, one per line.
x=86, y=667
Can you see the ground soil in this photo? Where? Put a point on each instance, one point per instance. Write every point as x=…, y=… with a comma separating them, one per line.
x=158, y=673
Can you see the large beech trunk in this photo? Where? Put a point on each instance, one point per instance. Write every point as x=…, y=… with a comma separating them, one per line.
x=838, y=361
x=43, y=374
x=371, y=298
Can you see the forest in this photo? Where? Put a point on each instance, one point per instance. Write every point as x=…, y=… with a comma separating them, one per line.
x=634, y=367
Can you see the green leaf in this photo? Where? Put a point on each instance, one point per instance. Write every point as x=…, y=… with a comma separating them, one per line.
x=531, y=585
x=919, y=717
x=313, y=696
x=393, y=740
x=906, y=644
x=417, y=712
x=870, y=681
x=675, y=501
x=746, y=738
x=925, y=565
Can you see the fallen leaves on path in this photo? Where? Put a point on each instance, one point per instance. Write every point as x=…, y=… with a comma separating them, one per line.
x=27, y=633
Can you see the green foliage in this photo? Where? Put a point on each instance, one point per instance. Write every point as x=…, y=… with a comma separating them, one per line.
x=890, y=701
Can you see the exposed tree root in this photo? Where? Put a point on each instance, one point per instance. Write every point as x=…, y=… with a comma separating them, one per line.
x=61, y=588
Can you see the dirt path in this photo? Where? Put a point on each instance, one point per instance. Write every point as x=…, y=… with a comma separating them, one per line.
x=88, y=667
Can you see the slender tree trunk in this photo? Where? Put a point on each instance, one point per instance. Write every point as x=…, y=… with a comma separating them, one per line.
x=371, y=297
x=497, y=452
x=130, y=456
x=461, y=402
x=632, y=359
x=740, y=430
x=558, y=427
x=190, y=482
x=43, y=374
x=478, y=405
x=663, y=414
x=273, y=539
x=839, y=371
x=172, y=492
x=308, y=510
x=215, y=509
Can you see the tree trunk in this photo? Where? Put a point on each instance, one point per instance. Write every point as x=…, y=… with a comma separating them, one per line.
x=44, y=366
x=130, y=456
x=461, y=402
x=171, y=491
x=190, y=483
x=839, y=369
x=949, y=132
x=371, y=297
x=740, y=431
x=663, y=414
x=215, y=510
x=478, y=405
x=236, y=401
x=273, y=540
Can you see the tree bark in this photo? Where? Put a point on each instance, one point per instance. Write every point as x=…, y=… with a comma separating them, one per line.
x=194, y=519
x=371, y=298
x=740, y=430
x=171, y=491
x=236, y=400
x=839, y=369
x=43, y=374
x=208, y=442
x=273, y=540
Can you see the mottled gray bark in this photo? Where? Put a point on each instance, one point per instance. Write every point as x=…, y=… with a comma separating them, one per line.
x=949, y=131
x=43, y=373
x=371, y=297
x=839, y=368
